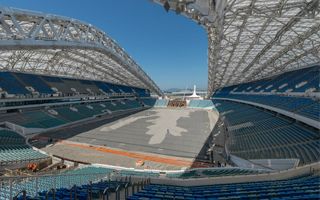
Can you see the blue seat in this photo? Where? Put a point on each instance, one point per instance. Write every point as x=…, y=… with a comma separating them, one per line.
x=301, y=187
x=36, y=82
x=259, y=134
x=11, y=85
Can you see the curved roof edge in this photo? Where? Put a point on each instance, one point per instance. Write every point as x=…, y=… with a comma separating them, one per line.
x=51, y=44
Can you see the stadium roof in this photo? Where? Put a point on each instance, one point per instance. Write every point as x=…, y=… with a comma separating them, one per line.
x=54, y=45
x=252, y=39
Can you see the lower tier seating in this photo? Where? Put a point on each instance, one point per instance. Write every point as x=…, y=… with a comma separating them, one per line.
x=41, y=185
x=306, y=187
x=200, y=104
x=67, y=113
x=13, y=149
x=161, y=103
x=258, y=134
x=149, y=102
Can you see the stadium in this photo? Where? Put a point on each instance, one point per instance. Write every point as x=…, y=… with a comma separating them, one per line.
x=80, y=119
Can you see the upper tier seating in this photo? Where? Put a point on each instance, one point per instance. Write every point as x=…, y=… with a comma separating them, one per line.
x=77, y=85
x=258, y=134
x=300, y=80
x=15, y=84
x=11, y=85
x=57, y=83
x=142, y=92
x=274, y=92
x=91, y=86
x=14, y=149
x=303, y=106
x=299, y=188
x=35, y=82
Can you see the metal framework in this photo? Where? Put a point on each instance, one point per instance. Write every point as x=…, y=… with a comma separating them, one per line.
x=251, y=39
x=48, y=44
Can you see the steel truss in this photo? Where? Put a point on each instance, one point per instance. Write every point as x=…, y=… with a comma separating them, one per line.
x=54, y=45
x=252, y=39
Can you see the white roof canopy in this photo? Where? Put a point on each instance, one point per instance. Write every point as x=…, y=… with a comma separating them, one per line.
x=54, y=45
x=252, y=39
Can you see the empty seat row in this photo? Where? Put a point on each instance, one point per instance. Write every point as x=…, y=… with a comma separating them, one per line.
x=214, y=172
x=258, y=134
x=14, y=149
x=301, y=80
x=27, y=84
x=299, y=188
x=69, y=113
x=200, y=104
x=303, y=106
x=161, y=103
x=149, y=101
x=39, y=186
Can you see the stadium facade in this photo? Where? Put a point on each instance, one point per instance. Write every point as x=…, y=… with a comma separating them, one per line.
x=79, y=120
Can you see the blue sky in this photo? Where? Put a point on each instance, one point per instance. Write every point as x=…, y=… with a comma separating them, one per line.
x=170, y=48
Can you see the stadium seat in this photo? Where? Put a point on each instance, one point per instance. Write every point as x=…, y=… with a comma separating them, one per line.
x=258, y=134
x=305, y=187
x=35, y=82
x=13, y=149
x=11, y=85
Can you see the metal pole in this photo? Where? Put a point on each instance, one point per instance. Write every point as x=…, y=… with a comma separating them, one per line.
x=10, y=182
x=118, y=192
x=105, y=194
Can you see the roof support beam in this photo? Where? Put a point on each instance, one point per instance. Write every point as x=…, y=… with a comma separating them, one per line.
x=309, y=7
x=215, y=36
x=236, y=43
x=20, y=29
x=299, y=57
x=283, y=52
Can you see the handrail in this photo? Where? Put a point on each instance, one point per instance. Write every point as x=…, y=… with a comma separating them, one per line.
x=288, y=113
x=126, y=191
x=105, y=193
x=11, y=162
x=49, y=175
x=53, y=192
x=24, y=194
x=90, y=190
x=118, y=192
x=132, y=188
x=73, y=189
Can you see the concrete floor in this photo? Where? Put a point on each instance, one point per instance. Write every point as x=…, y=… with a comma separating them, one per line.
x=168, y=132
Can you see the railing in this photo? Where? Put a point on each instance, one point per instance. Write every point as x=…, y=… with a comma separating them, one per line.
x=290, y=114
x=31, y=184
x=21, y=163
x=122, y=189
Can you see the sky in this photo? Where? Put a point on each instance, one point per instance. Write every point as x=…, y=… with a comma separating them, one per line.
x=170, y=48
